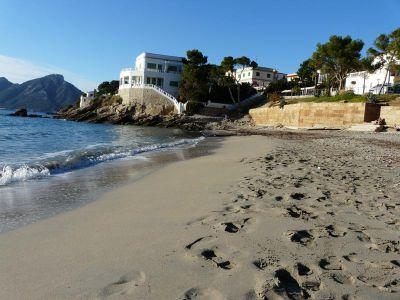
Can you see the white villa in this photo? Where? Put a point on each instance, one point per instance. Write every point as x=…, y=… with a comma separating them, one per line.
x=259, y=77
x=154, y=80
x=163, y=71
x=364, y=82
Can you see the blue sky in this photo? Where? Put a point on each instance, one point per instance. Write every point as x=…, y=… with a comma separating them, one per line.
x=89, y=41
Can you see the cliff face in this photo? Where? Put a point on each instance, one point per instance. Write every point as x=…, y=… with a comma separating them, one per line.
x=46, y=94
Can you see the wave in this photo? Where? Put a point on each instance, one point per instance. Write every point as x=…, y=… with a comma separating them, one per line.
x=80, y=159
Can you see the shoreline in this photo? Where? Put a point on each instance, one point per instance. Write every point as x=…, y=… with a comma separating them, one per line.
x=258, y=217
x=30, y=201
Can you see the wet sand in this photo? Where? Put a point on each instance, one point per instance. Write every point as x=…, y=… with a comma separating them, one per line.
x=293, y=216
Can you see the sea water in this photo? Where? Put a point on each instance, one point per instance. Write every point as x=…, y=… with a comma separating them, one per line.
x=49, y=166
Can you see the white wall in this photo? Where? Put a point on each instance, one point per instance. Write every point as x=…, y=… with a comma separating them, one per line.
x=261, y=76
x=364, y=82
x=161, y=73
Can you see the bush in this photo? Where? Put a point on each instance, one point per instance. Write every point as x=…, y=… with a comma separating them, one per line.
x=193, y=107
x=274, y=97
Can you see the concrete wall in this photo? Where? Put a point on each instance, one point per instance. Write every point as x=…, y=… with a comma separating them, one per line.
x=154, y=102
x=391, y=114
x=311, y=114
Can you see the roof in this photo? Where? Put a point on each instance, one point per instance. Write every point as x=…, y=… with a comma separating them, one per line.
x=161, y=56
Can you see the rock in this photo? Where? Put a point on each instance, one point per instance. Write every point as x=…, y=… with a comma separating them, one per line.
x=20, y=113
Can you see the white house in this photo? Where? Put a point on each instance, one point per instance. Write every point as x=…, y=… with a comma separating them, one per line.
x=85, y=99
x=259, y=77
x=163, y=71
x=292, y=76
x=365, y=82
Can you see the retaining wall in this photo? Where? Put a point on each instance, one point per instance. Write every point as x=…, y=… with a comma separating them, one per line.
x=154, y=102
x=391, y=114
x=311, y=114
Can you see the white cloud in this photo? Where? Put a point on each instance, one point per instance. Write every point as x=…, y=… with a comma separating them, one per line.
x=18, y=70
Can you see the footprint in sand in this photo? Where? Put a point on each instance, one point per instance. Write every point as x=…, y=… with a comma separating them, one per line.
x=125, y=285
x=302, y=237
x=233, y=227
x=334, y=231
x=202, y=294
x=286, y=285
x=342, y=278
x=296, y=212
x=330, y=263
x=220, y=262
x=303, y=270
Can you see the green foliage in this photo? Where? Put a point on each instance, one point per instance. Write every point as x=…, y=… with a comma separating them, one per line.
x=386, y=50
x=109, y=100
x=278, y=86
x=371, y=98
x=195, y=81
x=338, y=57
x=193, y=107
x=307, y=73
x=108, y=87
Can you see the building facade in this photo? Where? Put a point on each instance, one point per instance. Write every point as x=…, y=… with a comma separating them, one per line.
x=292, y=77
x=259, y=77
x=86, y=99
x=163, y=71
x=364, y=82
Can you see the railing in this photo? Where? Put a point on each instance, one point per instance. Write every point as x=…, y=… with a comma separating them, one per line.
x=178, y=105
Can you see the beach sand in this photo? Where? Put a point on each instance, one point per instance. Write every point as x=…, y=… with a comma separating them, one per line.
x=298, y=216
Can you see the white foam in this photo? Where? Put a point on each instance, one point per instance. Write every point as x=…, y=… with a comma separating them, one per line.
x=9, y=174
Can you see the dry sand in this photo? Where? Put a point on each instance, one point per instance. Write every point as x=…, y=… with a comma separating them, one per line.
x=304, y=216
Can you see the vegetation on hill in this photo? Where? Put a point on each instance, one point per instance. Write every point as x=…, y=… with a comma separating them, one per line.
x=344, y=97
x=202, y=81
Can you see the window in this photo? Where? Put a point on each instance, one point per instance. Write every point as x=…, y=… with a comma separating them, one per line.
x=160, y=82
x=173, y=69
x=151, y=66
x=126, y=80
x=248, y=74
x=159, y=68
x=174, y=83
x=268, y=75
x=148, y=80
x=258, y=74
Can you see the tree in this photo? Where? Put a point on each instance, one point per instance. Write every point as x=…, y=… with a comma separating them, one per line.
x=228, y=66
x=307, y=73
x=386, y=53
x=338, y=57
x=195, y=77
x=108, y=87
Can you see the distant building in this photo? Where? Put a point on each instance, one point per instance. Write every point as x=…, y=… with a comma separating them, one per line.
x=259, y=77
x=153, y=82
x=86, y=99
x=292, y=76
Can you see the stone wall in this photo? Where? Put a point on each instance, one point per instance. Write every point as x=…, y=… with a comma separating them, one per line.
x=391, y=114
x=155, y=103
x=312, y=114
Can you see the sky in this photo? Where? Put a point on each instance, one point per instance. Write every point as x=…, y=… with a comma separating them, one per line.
x=90, y=41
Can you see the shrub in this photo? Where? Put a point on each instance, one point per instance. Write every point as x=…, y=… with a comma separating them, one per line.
x=193, y=107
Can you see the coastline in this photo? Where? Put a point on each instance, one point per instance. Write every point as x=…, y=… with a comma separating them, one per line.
x=245, y=222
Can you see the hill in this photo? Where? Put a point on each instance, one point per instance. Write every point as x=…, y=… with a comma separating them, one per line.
x=46, y=94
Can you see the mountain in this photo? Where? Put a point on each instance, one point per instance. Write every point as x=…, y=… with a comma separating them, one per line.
x=4, y=83
x=46, y=94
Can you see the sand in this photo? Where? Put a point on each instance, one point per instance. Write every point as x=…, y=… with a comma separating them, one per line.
x=297, y=216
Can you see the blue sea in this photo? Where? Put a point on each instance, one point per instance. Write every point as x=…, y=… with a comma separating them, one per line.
x=50, y=166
